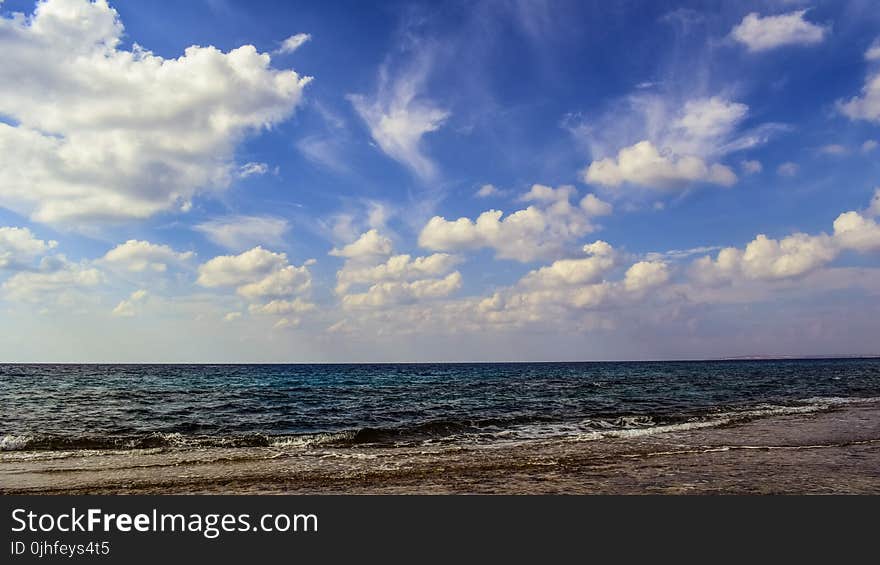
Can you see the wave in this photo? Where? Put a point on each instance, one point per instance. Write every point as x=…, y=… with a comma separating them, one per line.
x=515, y=428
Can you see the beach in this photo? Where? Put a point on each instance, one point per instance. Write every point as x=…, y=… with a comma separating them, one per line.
x=832, y=449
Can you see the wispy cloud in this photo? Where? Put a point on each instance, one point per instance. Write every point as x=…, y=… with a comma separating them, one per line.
x=400, y=113
x=243, y=232
x=293, y=43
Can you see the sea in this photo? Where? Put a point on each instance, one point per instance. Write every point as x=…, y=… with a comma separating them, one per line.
x=129, y=407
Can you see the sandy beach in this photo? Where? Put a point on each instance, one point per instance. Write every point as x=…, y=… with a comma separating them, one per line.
x=834, y=451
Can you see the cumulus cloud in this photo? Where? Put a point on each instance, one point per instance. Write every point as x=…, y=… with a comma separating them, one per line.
x=762, y=33
x=765, y=258
x=676, y=145
x=282, y=307
x=139, y=256
x=103, y=133
x=19, y=246
x=401, y=292
x=856, y=231
x=399, y=115
x=54, y=280
x=396, y=268
x=370, y=244
x=642, y=164
x=128, y=307
x=256, y=274
x=293, y=43
x=398, y=279
x=242, y=232
x=867, y=106
x=540, y=230
x=568, y=286
x=869, y=145
x=645, y=275
x=564, y=272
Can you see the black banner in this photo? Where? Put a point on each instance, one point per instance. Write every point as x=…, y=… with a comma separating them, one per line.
x=235, y=529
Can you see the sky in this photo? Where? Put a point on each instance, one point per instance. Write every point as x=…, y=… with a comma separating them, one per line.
x=222, y=181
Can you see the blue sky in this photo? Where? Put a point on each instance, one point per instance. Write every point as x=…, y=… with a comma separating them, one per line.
x=404, y=181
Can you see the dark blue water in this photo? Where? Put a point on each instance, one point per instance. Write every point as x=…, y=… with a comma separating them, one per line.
x=85, y=406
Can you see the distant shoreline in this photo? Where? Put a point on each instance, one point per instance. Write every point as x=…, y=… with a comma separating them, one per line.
x=343, y=363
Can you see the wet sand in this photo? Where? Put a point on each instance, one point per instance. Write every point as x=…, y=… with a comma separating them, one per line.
x=830, y=452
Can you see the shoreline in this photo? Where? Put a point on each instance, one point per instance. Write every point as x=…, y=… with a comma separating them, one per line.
x=834, y=451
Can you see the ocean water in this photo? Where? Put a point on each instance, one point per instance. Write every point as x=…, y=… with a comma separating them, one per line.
x=87, y=407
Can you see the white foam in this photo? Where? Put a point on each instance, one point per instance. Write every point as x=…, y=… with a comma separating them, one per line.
x=309, y=440
x=816, y=404
x=14, y=442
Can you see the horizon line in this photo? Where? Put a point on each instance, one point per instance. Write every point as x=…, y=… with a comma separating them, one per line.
x=681, y=360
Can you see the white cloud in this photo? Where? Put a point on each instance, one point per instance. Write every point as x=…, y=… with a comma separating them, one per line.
x=389, y=293
x=565, y=272
x=138, y=256
x=677, y=254
x=286, y=281
x=398, y=116
x=102, y=133
x=293, y=43
x=360, y=217
x=128, y=308
x=286, y=323
x=855, y=231
x=233, y=270
x=325, y=151
x=370, y=244
x=765, y=258
x=568, y=287
x=645, y=275
x=869, y=145
x=834, y=149
x=55, y=280
x=231, y=316
x=252, y=169
x=256, y=274
x=787, y=169
x=759, y=33
x=644, y=165
x=19, y=246
x=487, y=191
x=866, y=106
x=706, y=120
x=752, y=167
x=873, y=52
x=243, y=232
x=540, y=230
x=665, y=142
x=283, y=307
x=593, y=206
x=396, y=268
